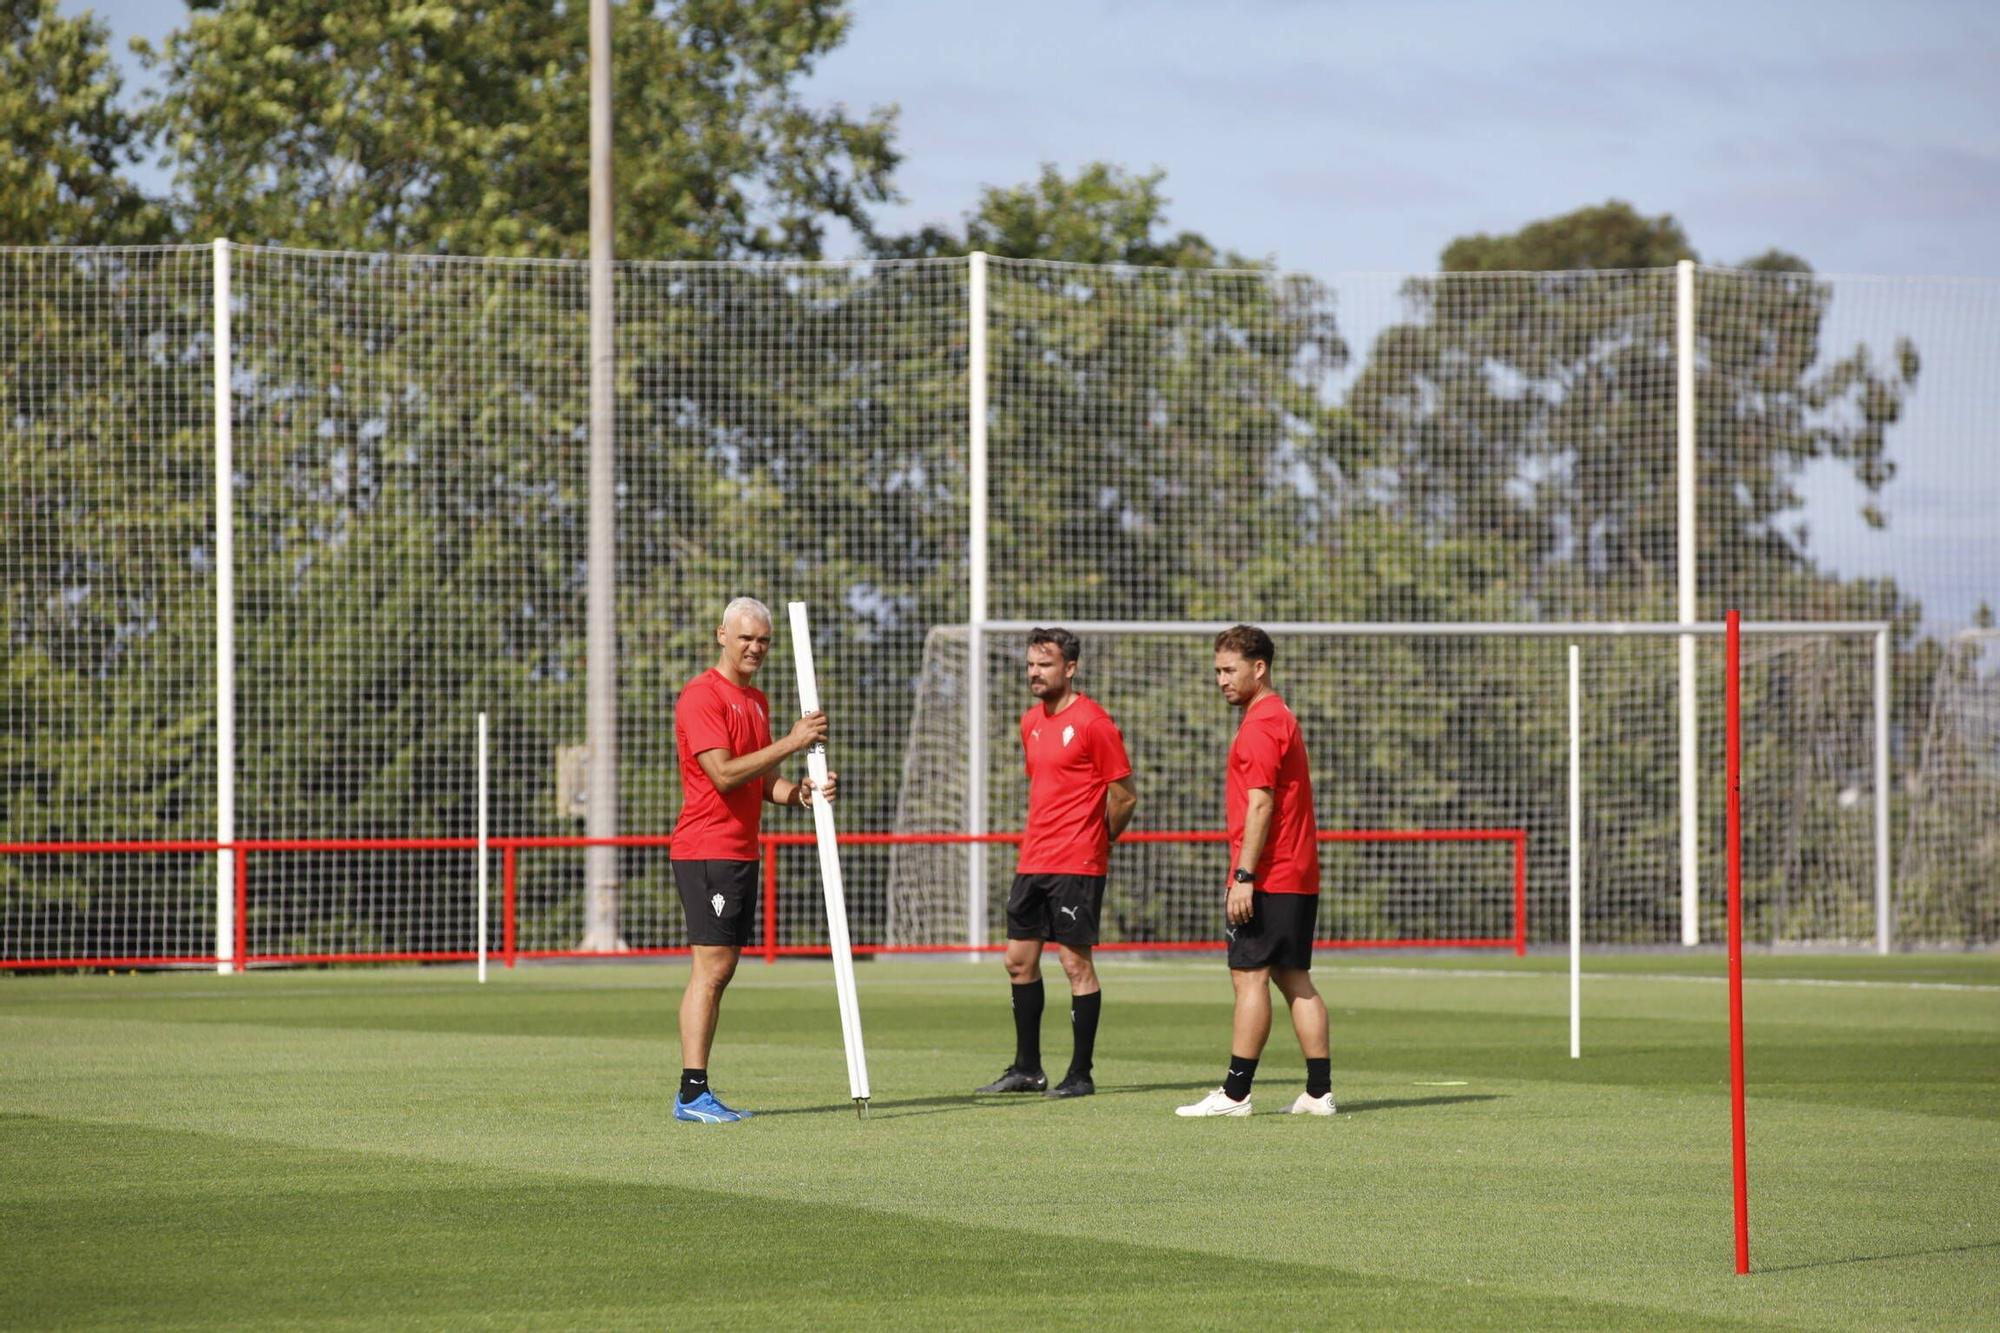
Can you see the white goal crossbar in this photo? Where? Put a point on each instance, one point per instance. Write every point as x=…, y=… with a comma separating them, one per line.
x=1877, y=631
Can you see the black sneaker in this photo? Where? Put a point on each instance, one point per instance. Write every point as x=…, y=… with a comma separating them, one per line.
x=1018, y=1080
x=1076, y=1085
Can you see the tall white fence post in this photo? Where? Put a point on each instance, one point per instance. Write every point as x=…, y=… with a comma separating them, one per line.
x=1686, y=480
x=1884, y=923
x=975, y=641
x=225, y=625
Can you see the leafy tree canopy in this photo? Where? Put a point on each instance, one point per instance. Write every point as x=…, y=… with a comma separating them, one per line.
x=384, y=124
x=1103, y=214
x=64, y=141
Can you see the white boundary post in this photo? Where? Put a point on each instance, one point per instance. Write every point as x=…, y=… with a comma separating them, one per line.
x=480, y=760
x=1686, y=481
x=829, y=872
x=975, y=641
x=1575, y=852
x=225, y=623
x=1884, y=922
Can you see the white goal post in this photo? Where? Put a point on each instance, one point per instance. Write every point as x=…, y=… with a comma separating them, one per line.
x=1862, y=761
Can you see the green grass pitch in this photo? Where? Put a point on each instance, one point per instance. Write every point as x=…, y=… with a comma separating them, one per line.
x=401, y=1148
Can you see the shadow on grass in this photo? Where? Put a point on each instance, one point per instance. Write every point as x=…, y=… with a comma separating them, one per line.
x=971, y=1101
x=1880, y=1258
x=1405, y=1103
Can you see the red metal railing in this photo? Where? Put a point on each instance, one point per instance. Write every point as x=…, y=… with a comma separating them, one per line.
x=510, y=849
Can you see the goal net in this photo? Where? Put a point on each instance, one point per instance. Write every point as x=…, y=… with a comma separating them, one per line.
x=1449, y=736
x=1951, y=844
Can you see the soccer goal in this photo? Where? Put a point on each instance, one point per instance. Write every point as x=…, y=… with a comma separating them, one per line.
x=1440, y=774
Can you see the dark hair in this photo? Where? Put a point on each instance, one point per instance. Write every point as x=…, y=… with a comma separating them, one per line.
x=1247, y=642
x=1062, y=639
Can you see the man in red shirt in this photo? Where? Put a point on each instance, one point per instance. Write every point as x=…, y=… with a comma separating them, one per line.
x=1272, y=900
x=1080, y=798
x=728, y=771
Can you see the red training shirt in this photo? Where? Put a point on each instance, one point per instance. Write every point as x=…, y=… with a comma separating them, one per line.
x=715, y=714
x=1071, y=758
x=1269, y=751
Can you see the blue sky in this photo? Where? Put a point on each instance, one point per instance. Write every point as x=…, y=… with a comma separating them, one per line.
x=1342, y=137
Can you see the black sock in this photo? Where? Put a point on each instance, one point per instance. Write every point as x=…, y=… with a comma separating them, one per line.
x=694, y=1082
x=1241, y=1070
x=1083, y=1010
x=1028, y=1003
x=1319, y=1076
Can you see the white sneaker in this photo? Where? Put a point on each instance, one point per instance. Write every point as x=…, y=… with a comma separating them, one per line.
x=1216, y=1103
x=1307, y=1104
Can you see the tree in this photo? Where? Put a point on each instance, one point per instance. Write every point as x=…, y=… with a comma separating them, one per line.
x=439, y=127
x=1103, y=215
x=64, y=140
x=1541, y=407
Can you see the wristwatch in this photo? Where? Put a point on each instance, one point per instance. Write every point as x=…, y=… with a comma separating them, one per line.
x=1243, y=876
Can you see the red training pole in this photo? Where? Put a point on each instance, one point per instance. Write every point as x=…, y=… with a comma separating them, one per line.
x=242, y=910
x=507, y=877
x=770, y=902
x=1521, y=895
x=1732, y=686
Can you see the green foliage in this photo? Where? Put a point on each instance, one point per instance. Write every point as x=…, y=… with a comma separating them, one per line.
x=1103, y=215
x=384, y=125
x=1541, y=409
x=64, y=140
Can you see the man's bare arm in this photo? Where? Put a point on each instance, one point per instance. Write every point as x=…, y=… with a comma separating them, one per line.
x=1256, y=827
x=1241, y=901
x=1121, y=798
x=729, y=772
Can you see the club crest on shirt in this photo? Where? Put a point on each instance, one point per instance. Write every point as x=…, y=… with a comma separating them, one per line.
x=1069, y=734
x=715, y=901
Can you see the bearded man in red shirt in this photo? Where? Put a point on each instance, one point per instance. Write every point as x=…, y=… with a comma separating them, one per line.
x=1080, y=798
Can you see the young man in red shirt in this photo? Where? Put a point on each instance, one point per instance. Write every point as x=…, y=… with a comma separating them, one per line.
x=1080, y=798
x=729, y=769
x=1272, y=900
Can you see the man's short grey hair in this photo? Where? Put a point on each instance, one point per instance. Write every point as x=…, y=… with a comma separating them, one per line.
x=748, y=606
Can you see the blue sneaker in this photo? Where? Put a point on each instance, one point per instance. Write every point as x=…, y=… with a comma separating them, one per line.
x=706, y=1110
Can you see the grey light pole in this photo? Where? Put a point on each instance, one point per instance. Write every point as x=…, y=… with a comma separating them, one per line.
x=600, y=931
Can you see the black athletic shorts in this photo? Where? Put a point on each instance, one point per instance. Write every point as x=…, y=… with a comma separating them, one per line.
x=1279, y=932
x=720, y=899
x=1062, y=908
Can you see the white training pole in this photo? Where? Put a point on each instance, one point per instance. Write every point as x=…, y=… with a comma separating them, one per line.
x=481, y=760
x=1884, y=922
x=975, y=638
x=1686, y=479
x=225, y=624
x=1575, y=854
x=829, y=872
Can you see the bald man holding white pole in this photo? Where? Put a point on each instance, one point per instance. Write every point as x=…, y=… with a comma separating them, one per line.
x=729, y=772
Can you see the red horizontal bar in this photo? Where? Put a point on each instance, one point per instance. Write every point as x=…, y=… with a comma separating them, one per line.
x=167, y=960
x=666, y=839
x=106, y=848
x=386, y=956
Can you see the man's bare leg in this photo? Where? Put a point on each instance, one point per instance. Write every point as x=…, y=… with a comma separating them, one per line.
x=1308, y=1010
x=1252, y=1025
x=701, y=1003
x=1309, y=1022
